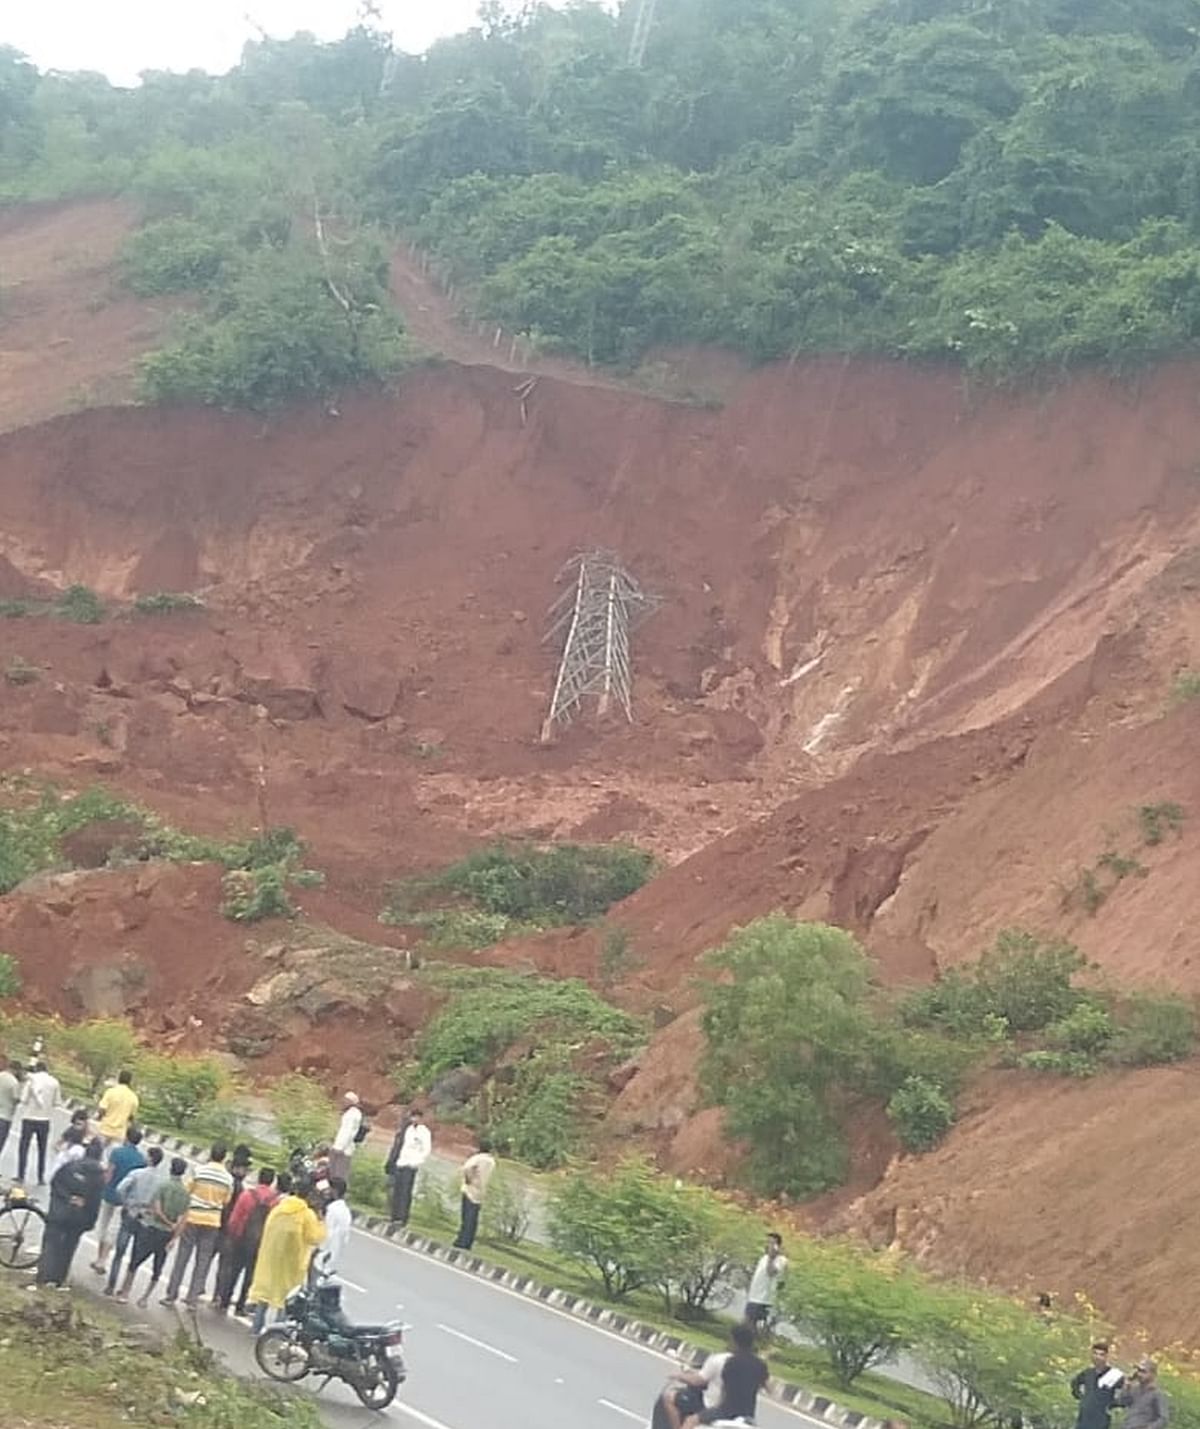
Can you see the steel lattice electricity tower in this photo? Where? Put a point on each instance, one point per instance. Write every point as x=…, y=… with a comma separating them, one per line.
x=643, y=23
x=595, y=616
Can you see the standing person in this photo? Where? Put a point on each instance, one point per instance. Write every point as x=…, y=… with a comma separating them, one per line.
x=41, y=1096
x=239, y=1169
x=292, y=1232
x=243, y=1233
x=743, y=1376
x=10, y=1098
x=1095, y=1389
x=476, y=1173
x=410, y=1151
x=70, y=1147
x=1145, y=1405
x=74, y=1204
x=136, y=1195
x=121, y=1161
x=337, y=1228
x=210, y=1186
x=765, y=1282
x=158, y=1229
x=347, y=1138
x=118, y=1108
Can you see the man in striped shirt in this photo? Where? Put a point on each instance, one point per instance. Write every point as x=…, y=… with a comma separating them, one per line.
x=210, y=1187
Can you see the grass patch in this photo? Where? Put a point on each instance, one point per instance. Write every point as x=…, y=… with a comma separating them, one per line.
x=1185, y=687
x=61, y=1364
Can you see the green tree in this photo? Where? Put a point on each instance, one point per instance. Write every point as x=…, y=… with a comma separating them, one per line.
x=101, y=1047
x=621, y=1228
x=861, y=1309
x=786, y=1026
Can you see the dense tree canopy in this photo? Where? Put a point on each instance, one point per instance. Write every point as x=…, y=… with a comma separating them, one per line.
x=1005, y=183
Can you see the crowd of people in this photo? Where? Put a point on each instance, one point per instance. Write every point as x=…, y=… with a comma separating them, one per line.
x=242, y=1237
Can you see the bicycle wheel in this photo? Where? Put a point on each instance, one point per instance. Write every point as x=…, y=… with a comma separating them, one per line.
x=22, y=1227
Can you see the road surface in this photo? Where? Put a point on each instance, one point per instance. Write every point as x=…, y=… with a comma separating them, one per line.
x=480, y=1356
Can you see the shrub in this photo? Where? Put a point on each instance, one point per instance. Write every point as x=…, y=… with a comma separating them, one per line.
x=301, y=1110
x=101, y=1048
x=715, y=1245
x=15, y=609
x=1157, y=820
x=1064, y=1064
x=436, y=1198
x=174, y=255
x=1088, y=1029
x=10, y=976
x=489, y=1010
x=456, y=928
x=861, y=1309
x=508, y=1208
x=785, y=1028
x=921, y=1112
x=277, y=333
x=252, y=894
x=1021, y=981
x=165, y=602
x=177, y=1090
x=525, y=885
x=620, y=1228
x=990, y=1358
x=540, y=1118
x=369, y=1186
x=1154, y=1028
x=617, y=957
x=80, y=604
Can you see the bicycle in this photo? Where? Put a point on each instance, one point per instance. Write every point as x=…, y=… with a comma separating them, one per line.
x=22, y=1227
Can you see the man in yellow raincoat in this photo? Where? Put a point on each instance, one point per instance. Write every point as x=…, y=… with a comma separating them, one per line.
x=292, y=1232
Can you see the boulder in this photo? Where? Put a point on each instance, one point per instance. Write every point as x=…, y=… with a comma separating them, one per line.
x=453, y=1090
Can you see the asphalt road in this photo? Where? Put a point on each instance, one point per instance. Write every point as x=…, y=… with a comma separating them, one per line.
x=479, y=1356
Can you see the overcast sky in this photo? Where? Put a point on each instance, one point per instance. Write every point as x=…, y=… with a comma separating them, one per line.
x=120, y=38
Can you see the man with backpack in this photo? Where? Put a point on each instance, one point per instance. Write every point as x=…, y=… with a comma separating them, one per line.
x=75, y=1192
x=352, y=1131
x=243, y=1233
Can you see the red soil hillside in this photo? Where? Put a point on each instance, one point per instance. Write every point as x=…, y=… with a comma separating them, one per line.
x=69, y=335
x=910, y=673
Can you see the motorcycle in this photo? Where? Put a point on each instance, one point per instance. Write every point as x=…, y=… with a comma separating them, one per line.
x=317, y=1338
x=690, y=1400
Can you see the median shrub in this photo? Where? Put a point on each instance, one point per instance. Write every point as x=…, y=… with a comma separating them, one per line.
x=100, y=1048
x=177, y=1091
x=300, y=1106
x=621, y=1228
x=861, y=1309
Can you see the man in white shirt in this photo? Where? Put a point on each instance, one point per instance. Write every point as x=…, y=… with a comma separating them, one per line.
x=40, y=1098
x=409, y=1153
x=346, y=1139
x=765, y=1282
x=337, y=1228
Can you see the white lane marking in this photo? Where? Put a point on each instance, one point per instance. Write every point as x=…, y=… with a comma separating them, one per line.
x=350, y=1285
x=427, y=1419
x=575, y=1320
x=618, y=1409
x=479, y=1344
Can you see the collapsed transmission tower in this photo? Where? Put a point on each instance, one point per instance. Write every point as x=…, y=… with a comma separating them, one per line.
x=595, y=616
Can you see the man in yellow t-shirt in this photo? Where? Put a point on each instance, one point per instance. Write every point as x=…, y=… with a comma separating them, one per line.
x=118, y=1107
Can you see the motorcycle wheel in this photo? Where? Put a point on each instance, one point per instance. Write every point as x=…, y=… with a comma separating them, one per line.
x=381, y=1390
x=280, y=1354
